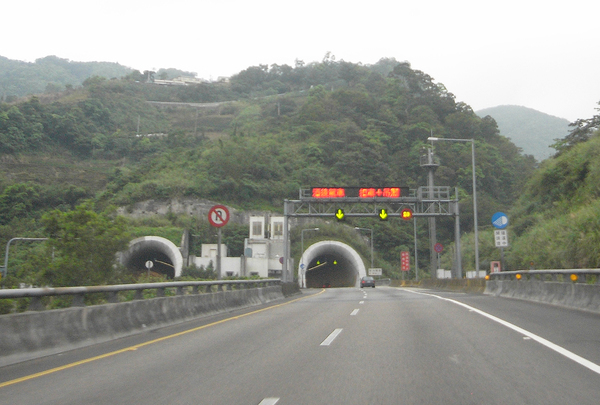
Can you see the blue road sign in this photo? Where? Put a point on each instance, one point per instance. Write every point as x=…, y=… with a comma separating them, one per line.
x=500, y=220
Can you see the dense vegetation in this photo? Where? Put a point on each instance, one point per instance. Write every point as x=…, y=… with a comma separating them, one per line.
x=269, y=131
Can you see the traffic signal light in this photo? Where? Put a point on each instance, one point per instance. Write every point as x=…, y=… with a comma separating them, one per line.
x=383, y=215
x=340, y=214
x=406, y=214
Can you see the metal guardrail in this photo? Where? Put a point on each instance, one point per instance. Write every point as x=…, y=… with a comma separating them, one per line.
x=563, y=275
x=79, y=293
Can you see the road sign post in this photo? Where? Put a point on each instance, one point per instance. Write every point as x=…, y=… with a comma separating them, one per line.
x=404, y=261
x=218, y=216
x=500, y=222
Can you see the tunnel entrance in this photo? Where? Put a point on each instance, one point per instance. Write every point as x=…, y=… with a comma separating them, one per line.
x=330, y=264
x=165, y=256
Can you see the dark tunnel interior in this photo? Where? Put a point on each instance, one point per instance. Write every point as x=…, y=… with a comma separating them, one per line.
x=162, y=264
x=330, y=270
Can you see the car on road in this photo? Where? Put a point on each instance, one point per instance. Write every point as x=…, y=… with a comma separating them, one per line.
x=367, y=282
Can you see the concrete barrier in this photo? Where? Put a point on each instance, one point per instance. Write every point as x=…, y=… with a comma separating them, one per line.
x=571, y=295
x=31, y=335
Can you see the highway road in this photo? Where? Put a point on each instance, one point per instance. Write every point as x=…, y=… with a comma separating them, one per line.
x=336, y=346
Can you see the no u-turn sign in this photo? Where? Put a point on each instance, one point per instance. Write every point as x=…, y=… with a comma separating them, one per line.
x=218, y=216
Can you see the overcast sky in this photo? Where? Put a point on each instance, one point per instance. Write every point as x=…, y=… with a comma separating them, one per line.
x=538, y=54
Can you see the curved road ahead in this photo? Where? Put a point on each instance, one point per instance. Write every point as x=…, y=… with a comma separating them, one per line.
x=336, y=346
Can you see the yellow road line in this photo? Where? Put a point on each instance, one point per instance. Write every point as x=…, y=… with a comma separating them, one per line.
x=150, y=342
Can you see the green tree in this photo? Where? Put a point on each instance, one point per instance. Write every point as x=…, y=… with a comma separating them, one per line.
x=84, y=244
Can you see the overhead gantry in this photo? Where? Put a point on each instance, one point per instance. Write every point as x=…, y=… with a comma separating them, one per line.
x=393, y=202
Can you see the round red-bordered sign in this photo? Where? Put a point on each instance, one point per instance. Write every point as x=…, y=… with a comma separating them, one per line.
x=438, y=247
x=218, y=216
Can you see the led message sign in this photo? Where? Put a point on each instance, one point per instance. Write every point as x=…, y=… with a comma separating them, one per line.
x=359, y=192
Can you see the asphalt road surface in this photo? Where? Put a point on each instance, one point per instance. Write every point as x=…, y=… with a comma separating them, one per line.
x=336, y=346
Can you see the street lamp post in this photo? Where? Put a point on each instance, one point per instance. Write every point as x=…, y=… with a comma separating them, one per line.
x=5, y=268
x=432, y=139
x=302, y=252
x=368, y=229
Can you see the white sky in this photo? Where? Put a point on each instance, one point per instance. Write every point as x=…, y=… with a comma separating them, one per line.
x=539, y=54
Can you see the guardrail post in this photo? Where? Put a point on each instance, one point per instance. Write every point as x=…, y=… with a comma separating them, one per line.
x=195, y=289
x=113, y=297
x=160, y=292
x=139, y=295
x=229, y=287
x=209, y=288
x=180, y=290
x=219, y=287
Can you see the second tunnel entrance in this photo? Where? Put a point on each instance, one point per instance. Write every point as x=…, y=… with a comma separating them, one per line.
x=330, y=264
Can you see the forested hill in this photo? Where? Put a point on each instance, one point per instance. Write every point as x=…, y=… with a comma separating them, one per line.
x=285, y=128
x=250, y=143
x=529, y=129
x=50, y=75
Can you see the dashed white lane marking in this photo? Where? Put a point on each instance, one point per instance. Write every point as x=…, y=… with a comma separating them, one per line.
x=331, y=337
x=568, y=354
x=361, y=302
x=269, y=401
x=354, y=312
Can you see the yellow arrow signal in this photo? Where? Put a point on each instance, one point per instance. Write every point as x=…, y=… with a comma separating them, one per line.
x=383, y=214
x=340, y=214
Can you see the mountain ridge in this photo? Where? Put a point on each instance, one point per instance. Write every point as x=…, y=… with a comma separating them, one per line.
x=531, y=130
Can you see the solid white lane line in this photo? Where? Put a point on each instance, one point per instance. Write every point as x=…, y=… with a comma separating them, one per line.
x=331, y=337
x=269, y=401
x=578, y=359
x=354, y=312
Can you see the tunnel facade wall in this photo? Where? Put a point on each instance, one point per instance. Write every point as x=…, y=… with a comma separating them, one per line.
x=145, y=245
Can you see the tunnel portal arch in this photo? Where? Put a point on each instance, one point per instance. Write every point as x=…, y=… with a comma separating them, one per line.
x=162, y=252
x=331, y=263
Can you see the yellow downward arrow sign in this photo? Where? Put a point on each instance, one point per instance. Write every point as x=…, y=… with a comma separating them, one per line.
x=339, y=214
x=383, y=214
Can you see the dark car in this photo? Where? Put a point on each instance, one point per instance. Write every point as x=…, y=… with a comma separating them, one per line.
x=367, y=282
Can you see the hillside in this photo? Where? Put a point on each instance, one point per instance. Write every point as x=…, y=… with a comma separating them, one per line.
x=250, y=143
x=50, y=75
x=556, y=220
x=531, y=130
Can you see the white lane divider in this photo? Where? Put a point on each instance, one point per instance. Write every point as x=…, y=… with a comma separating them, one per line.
x=526, y=334
x=354, y=312
x=331, y=337
x=361, y=302
x=269, y=401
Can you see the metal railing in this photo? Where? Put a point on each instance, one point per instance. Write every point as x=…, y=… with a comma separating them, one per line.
x=112, y=291
x=589, y=276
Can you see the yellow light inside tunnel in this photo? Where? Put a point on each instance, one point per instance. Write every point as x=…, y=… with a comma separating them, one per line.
x=574, y=277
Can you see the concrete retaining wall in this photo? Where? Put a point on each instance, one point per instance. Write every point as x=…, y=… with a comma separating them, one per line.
x=572, y=295
x=34, y=334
